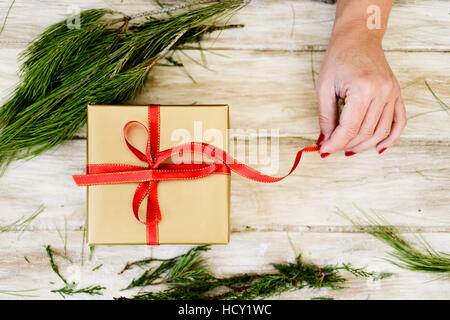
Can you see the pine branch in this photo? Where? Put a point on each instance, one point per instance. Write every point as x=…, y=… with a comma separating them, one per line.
x=418, y=256
x=185, y=267
x=53, y=265
x=70, y=288
x=106, y=61
x=188, y=277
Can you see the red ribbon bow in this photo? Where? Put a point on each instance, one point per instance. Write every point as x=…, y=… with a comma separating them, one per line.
x=156, y=170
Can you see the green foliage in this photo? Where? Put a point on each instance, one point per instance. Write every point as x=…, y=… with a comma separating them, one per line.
x=97, y=267
x=6, y=16
x=360, y=272
x=70, y=288
x=187, y=276
x=418, y=256
x=445, y=107
x=20, y=293
x=21, y=223
x=186, y=267
x=105, y=61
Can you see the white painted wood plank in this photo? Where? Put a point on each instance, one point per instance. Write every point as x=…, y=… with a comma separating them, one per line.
x=247, y=252
x=270, y=25
x=274, y=90
x=409, y=184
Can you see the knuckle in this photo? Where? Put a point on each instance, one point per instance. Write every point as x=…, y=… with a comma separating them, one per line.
x=366, y=132
x=384, y=132
x=386, y=87
x=402, y=121
x=394, y=140
x=322, y=88
x=324, y=119
x=396, y=88
x=350, y=130
x=365, y=86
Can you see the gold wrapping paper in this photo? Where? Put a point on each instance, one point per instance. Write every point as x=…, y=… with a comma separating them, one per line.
x=193, y=211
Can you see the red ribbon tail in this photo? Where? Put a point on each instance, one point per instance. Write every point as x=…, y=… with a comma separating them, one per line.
x=153, y=214
x=152, y=234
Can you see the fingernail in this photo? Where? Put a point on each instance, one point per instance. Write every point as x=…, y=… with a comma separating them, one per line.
x=319, y=141
x=349, y=153
x=382, y=150
x=324, y=155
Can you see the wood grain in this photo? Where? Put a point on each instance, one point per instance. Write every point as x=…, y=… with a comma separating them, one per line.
x=409, y=184
x=264, y=72
x=276, y=90
x=270, y=24
x=247, y=252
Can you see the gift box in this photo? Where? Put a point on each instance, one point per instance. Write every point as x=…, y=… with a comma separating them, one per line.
x=141, y=202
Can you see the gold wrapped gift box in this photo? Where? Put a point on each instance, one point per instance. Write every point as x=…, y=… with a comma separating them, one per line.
x=193, y=211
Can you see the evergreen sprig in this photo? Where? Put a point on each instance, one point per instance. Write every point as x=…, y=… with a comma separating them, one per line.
x=70, y=288
x=105, y=61
x=420, y=256
x=187, y=276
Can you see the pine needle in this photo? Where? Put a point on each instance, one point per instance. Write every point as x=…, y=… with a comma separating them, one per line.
x=293, y=20
x=97, y=267
x=22, y=223
x=445, y=107
x=53, y=265
x=20, y=293
x=106, y=61
x=6, y=16
x=313, y=71
x=187, y=276
x=418, y=256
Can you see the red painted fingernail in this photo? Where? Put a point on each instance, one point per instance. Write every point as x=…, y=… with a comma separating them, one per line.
x=324, y=155
x=350, y=153
x=319, y=141
x=382, y=150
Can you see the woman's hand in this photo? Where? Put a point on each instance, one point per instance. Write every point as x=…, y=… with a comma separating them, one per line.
x=356, y=70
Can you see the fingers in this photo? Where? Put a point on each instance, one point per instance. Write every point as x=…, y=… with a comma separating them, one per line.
x=328, y=110
x=349, y=124
x=369, y=124
x=398, y=124
x=382, y=131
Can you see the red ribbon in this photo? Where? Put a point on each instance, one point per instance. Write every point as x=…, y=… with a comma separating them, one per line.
x=156, y=170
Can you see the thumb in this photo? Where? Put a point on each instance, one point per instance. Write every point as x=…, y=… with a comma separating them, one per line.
x=328, y=109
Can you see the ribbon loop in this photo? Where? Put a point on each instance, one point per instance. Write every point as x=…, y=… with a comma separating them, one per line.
x=143, y=157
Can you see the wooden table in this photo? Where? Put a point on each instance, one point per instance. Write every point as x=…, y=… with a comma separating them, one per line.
x=264, y=72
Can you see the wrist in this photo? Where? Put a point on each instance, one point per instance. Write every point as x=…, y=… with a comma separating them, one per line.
x=352, y=33
x=360, y=21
